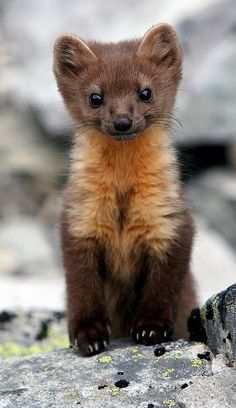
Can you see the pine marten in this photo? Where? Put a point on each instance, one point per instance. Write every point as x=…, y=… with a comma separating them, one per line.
x=126, y=231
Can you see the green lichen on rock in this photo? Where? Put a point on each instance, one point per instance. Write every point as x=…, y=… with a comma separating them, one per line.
x=32, y=333
x=114, y=391
x=203, y=312
x=169, y=403
x=177, y=357
x=215, y=323
x=136, y=353
x=105, y=359
x=196, y=362
x=54, y=341
x=167, y=372
x=113, y=379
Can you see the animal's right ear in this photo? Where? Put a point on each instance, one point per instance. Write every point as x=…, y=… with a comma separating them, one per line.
x=71, y=55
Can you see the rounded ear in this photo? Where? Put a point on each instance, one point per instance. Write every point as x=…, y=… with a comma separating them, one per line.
x=160, y=44
x=71, y=55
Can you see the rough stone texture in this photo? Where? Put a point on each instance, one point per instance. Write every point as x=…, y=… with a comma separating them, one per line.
x=218, y=391
x=175, y=374
x=215, y=324
x=124, y=376
x=219, y=320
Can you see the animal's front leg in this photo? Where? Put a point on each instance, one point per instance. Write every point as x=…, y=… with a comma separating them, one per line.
x=88, y=321
x=156, y=306
x=159, y=292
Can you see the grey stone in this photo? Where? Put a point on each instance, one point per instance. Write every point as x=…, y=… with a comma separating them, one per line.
x=25, y=249
x=26, y=292
x=212, y=392
x=185, y=375
x=213, y=259
x=208, y=93
x=219, y=320
x=215, y=324
x=64, y=379
x=217, y=187
x=32, y=170
x=34, y=331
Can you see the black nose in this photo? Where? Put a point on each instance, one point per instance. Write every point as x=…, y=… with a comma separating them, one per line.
x=122, y=124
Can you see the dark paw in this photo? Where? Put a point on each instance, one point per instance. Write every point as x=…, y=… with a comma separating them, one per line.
x=89, y=337
x=151, y=332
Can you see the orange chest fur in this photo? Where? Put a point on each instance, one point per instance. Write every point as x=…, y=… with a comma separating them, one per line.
x=124, y=196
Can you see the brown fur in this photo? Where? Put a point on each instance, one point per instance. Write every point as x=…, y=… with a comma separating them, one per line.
x=126, y=230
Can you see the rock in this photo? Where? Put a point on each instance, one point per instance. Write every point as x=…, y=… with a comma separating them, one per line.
x=210, y=392
x=34, y=331
x=10, y=75
x=32, y=170
x=218, y=318
x=26, y=250
x=213, y=260
x=27, y=292
x=208, y=95
x=218, y=208
x=177, y=374
x=125, y=375
x=30, y=268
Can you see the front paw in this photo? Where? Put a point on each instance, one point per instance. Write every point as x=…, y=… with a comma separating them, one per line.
x=90, y=337
x=148, y=332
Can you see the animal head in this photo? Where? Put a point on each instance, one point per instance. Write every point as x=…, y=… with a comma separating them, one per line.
x=119, y=89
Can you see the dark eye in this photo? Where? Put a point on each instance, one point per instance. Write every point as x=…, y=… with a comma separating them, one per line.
x=95, y=100
x=145, y=95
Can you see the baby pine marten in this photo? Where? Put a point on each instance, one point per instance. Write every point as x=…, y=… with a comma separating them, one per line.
x=126, y=230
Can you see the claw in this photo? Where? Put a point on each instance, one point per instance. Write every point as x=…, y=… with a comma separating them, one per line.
x=104, y=343
x=144, y=333
x=90, y=348
x=137, y=336
x=96, y=346
x=151, y=333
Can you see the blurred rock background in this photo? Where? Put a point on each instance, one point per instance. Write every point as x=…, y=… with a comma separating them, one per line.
x=35, y=134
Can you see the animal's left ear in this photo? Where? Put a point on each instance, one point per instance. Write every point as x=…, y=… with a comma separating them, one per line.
x=160, y=44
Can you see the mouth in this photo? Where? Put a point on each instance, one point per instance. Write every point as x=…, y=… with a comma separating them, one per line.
x=124, y=136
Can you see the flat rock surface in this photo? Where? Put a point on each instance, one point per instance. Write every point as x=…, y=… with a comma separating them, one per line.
x=125, y=375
